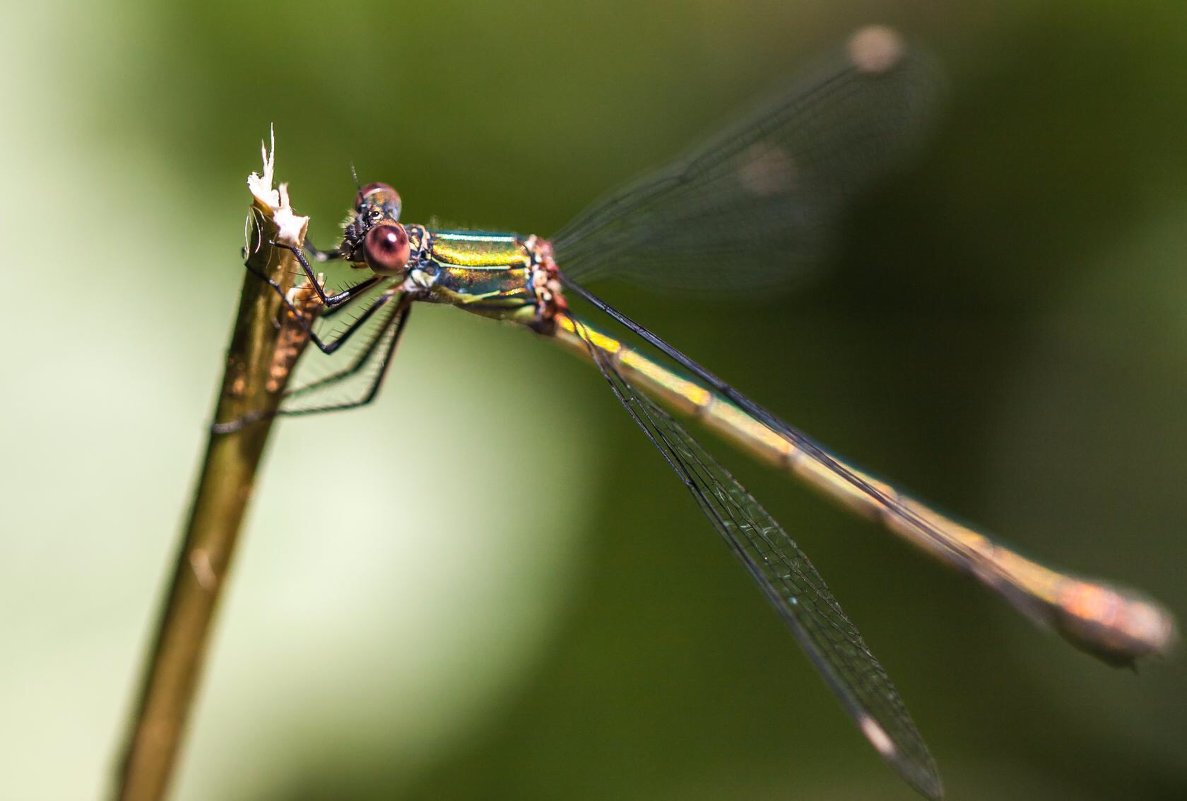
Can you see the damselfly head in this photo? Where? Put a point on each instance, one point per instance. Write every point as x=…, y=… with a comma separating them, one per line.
x=386, y=249
x=373, y=237
x=379, y=202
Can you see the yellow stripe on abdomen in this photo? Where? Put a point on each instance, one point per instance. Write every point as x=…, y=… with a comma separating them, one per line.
x=1116, y=625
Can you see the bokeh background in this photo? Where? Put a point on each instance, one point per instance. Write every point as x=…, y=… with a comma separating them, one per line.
x=1002, y=330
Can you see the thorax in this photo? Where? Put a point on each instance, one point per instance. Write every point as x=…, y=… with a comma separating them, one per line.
x=494, y=274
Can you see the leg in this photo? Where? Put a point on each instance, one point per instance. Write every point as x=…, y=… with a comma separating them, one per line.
x=358, y=289
x=383, y=343
x=349, y=294
x=340, y=299
x=377, y=304
x=388, y=349
x=329, y=301
x=321, y=256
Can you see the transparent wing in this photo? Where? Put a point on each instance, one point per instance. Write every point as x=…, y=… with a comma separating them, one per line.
x=753, y=207
x=1112, y=623
x=792, y=585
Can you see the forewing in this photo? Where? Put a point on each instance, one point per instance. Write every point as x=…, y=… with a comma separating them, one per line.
x=754, y=206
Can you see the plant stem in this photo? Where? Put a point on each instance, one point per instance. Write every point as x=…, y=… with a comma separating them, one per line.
x=259, y=360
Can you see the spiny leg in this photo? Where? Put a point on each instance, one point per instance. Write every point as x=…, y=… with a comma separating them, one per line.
x=378, y=303
x=398, y=321
x=358, y=289
x=382, y=341
x=349, y=294
x=329, y=301
x=359, y=361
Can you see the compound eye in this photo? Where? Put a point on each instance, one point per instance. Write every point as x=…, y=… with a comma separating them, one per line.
x=377, y=194
x=386, y=249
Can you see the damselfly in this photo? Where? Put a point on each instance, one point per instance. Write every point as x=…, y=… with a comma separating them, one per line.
x=741, y=212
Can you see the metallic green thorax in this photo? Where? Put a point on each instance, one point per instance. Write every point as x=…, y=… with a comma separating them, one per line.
x=482, y=272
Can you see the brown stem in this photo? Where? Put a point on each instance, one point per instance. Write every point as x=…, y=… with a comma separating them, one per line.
x=258, y=364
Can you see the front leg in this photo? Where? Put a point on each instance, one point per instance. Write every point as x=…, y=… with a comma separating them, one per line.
x=328, y=301
x=305, y=320
x=321, y=256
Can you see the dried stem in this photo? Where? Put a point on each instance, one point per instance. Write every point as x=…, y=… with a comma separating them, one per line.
x=258, y=364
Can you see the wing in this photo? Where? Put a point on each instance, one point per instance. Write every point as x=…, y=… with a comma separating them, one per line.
x=753, y=206
x=792, y=585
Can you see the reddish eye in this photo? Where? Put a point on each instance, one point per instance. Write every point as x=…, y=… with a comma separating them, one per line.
x=386, y=248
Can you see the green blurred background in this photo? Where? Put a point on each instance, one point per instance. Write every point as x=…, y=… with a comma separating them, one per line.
x=1002, y=331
